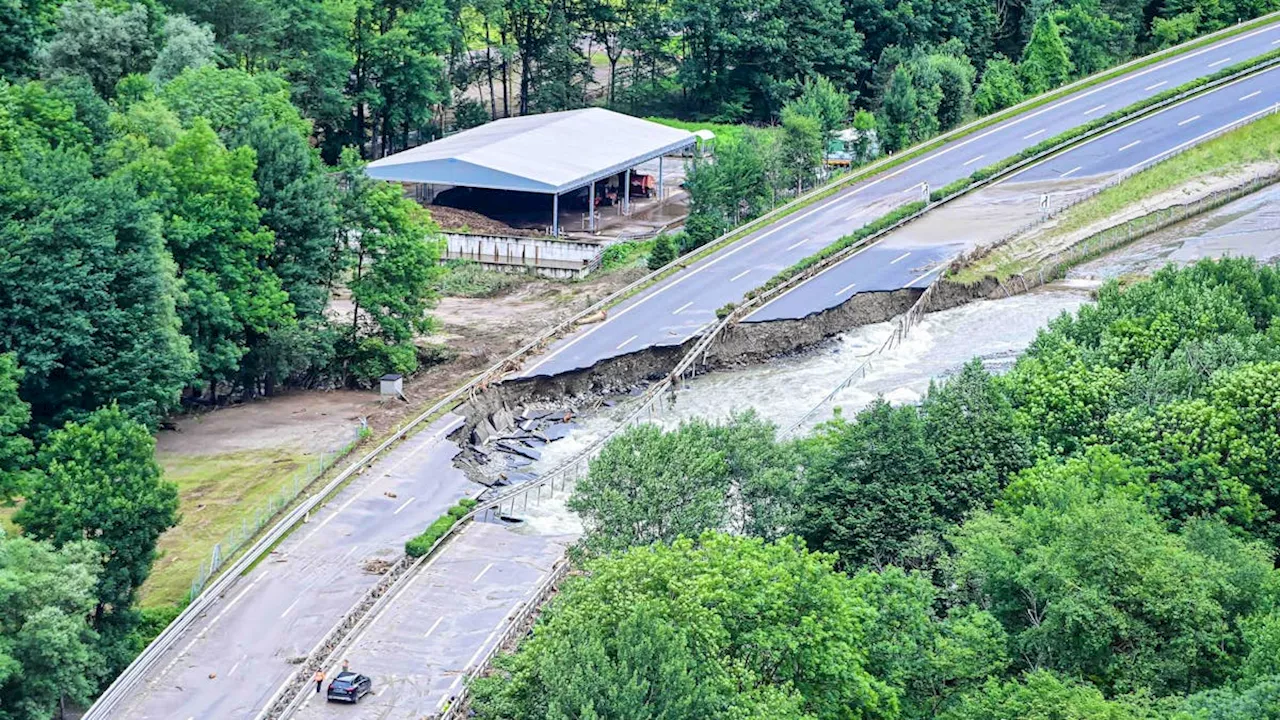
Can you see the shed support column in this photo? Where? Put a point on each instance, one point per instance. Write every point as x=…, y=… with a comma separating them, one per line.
x=591, y=207
x=555, y=214
x=626, y=194
x=660, y=197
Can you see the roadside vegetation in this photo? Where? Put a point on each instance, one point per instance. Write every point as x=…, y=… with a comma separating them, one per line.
x=185, y=220
x=1091, y=535
x=218, y=492
x=464, y=278
x=421, y=544
x=1254, y=145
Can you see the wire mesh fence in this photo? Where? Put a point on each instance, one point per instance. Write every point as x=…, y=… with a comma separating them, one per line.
x=1119, y=235
x=251, y=524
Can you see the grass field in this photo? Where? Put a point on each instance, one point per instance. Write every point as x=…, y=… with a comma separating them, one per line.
x=1257, y=142
x=724, y=133
x=217, y=493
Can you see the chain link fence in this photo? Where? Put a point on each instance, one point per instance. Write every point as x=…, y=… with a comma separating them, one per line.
x=1057, y=265
x=250, y=525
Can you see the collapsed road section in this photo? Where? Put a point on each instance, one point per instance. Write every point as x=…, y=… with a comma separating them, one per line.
x=504, y=441
x=230, y=660
x=671, y=312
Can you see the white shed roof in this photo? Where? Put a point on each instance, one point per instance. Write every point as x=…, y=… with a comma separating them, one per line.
x=549, y=153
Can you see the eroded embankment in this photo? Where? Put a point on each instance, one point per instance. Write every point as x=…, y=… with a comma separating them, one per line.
x=496, y=409
x=1100, y=237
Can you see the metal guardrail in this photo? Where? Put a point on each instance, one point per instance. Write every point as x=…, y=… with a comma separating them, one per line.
x=577, y=465
x=459, y=704
x=701, y=348
x=122, y=686
x=1100, y=242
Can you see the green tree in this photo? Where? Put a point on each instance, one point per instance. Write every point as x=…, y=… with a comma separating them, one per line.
x=973, y=430
x=1046, y=63
x=99, y=480
x=559, y=75
x=1257, y=700
x=1094, y=41
x=900, y=116
x=664, y=251
x=102, y=44
x=186, y=45
x=1175, y=30
x=953, y=76
x=47, y=650
x=469, y=113
x=802, y=146
x=214, y=231
x=101, y=329
x=927, y=659
x=652, y=486
x=747, y=59
x=1201, y=462
x=819, y=98
x=1001, y=87
x=733, y=188
x=297, y=199
x=15, y=448
x=870, y=487
x=392, y=252
x=1248, y=396
x=23, y=28
x=722, y=628
x=1041, y=695
x=1089, y=582
x=865, y=146
x=406, y=75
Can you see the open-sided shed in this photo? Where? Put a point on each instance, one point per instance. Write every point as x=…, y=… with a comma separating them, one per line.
x=553, y=154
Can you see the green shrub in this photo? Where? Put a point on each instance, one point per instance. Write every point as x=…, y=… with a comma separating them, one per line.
x=664, y=251
x=420, y=544
x=464, y=278
x=624, y=254
x=154, y=621
x=951, y=188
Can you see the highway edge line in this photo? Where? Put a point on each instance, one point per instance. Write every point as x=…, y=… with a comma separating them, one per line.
x=106, y=702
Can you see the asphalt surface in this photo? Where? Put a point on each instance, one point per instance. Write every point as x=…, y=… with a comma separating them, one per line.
x=234, y=659
x=678, y=308
x=441, y=622
x=900, y=260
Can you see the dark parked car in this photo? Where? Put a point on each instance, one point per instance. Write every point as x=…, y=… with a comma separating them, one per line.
x=349, y=687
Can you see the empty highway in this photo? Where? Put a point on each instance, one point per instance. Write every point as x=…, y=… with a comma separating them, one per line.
x=233, y=659
x=899, y=261
x=236, y=656
x=678, y=308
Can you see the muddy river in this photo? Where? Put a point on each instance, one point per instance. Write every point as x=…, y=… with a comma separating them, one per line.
x=785, y=390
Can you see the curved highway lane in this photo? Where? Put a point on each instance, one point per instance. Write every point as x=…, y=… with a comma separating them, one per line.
x=678, y=308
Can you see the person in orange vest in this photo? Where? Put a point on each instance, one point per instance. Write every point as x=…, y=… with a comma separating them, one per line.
x=319, y=678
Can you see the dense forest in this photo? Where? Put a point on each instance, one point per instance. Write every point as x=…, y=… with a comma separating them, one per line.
x=1091, y=535
x=184, y=218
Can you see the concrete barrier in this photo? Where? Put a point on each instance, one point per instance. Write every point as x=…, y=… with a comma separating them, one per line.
x=559, y=258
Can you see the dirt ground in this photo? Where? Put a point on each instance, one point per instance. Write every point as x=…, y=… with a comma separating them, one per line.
x=1033, y=247
x=483, y=330
x=308, y=421
x=479, y=331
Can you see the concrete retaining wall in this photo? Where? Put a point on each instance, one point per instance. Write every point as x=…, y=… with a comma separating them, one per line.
x=549, y=257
